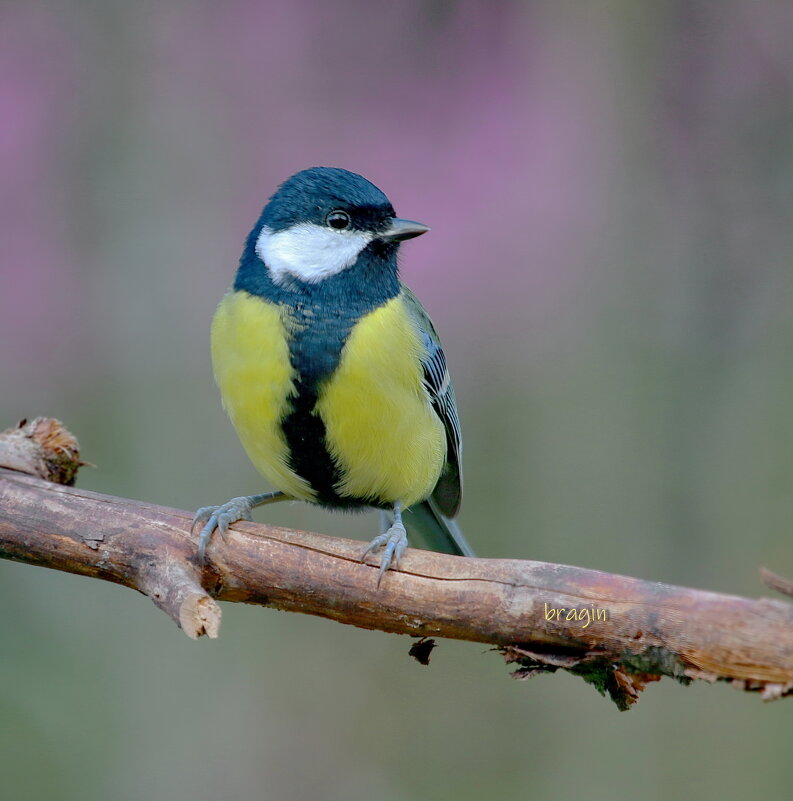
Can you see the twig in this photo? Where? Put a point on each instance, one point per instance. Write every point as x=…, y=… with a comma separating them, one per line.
x=618, y=633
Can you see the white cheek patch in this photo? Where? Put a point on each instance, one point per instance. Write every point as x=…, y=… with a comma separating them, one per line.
x=309, y=252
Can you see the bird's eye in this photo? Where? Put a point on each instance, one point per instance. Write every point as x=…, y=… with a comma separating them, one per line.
x=338, y=220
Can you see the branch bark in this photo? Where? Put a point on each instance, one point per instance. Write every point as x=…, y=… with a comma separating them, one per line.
x=617, y=633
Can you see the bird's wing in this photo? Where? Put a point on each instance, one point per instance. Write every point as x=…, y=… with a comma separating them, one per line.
x=448, y=492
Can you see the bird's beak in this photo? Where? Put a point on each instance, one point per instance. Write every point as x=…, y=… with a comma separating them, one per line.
x=400, y=230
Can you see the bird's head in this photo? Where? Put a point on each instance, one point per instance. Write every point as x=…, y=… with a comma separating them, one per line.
x=320, y=221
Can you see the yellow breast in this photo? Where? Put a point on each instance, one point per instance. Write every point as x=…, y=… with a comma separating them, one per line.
x=250, y=357
x=380, y=426
x=381, y=430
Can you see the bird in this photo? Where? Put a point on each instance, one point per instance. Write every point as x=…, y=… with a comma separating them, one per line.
x=331, y=370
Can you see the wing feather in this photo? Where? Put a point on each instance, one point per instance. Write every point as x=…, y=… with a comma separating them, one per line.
x=448, y=491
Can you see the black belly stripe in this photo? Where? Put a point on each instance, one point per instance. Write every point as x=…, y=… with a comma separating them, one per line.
x=315, y=350
x=308, y=453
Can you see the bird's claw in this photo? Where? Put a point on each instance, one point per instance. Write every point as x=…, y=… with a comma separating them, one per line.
x=393, y=541
x=219, y=518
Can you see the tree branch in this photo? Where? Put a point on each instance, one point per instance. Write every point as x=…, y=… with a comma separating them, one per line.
x=617, y=633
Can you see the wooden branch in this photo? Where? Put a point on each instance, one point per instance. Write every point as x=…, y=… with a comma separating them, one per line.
x=617, y=633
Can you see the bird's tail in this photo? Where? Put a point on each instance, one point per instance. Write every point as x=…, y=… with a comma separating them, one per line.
x=428, y=528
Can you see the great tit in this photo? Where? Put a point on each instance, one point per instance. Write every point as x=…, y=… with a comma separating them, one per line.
x=332, y=372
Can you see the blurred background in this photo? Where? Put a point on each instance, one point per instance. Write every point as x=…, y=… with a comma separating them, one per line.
x=610, y=193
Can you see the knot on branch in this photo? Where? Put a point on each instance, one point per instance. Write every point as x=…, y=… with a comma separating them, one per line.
x=43, y=447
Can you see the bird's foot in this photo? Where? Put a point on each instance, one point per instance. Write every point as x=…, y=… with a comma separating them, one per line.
x=393, y=541
x=219, y=518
